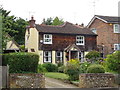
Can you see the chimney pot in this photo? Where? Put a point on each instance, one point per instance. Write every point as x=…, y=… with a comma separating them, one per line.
x=32, y=22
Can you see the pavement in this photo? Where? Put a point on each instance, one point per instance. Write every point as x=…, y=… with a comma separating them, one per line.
x=54, y=83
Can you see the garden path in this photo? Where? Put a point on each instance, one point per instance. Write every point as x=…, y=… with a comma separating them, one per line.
x=54, y=83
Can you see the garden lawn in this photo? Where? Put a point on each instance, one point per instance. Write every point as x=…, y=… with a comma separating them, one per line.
x=56, y=75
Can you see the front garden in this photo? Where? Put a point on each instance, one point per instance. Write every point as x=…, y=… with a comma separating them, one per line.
x=28, y=63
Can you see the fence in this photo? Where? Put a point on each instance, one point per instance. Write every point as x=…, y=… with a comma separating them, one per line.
x=4, y=77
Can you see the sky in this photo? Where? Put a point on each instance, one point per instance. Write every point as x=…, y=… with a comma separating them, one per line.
x=74, y=11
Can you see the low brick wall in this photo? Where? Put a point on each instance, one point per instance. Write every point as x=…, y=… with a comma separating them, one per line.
x=27, y=80
x=96, y=80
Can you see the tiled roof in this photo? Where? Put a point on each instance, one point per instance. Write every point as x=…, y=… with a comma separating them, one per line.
x=109, y=19
x=67, y=28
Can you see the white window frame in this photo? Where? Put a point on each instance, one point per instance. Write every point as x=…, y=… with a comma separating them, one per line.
x=116, y=46
x=116, y=28
x=94, y=30
x=61, y=56
x=82, y=40
x=47, y=37
x=81, y=56
x=49, y=57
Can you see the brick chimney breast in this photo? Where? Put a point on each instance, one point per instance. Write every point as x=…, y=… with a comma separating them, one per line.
x=32, y=22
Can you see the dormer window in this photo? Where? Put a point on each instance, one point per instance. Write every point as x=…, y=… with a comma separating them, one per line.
x=80, y=40
x=47, y=38
x=116, y=28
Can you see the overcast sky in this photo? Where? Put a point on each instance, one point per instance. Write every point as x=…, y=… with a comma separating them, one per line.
x=74, y=11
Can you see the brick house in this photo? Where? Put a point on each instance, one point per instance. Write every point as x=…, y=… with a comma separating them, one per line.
x=108, y=31
x=59, y=43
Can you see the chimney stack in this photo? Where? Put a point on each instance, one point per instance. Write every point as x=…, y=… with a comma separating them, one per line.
x=32, y=22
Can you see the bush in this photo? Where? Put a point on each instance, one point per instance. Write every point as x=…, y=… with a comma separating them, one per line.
x=50, y=67
x=95, y=68
x=112, y=62
x=72, y=69
x=93, y=56
x=22, y=48
x=59, y=64
x=41, y=69
x=61, y=69
x=21, y=62
x=84, y=66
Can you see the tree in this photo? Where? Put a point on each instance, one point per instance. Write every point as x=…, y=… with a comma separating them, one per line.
x=13, y=26
x=7, y=24
x=19, y=27
x=57, y=21
x=93, y=56
x=51, y=21
x=48, y=21
x=112, y=62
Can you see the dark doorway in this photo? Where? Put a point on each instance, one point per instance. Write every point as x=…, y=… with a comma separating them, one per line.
x=74, y=54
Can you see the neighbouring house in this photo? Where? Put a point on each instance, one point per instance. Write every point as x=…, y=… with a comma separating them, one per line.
x=59, y=43
x=12, y=45
x=108, y=30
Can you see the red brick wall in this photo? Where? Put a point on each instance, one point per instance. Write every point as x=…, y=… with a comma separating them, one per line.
x=106, y=35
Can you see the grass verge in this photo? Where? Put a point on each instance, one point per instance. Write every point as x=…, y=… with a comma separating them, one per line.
x=56, y=75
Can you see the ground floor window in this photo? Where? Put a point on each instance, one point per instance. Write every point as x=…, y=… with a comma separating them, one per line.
x=81, y=56
x=47, y=56
x=59, y=56
x=116, y=46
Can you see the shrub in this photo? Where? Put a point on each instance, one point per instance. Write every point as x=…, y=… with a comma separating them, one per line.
x=59, y=64
x=93, y=56
x=41, y=69
x=95, y=68
x=50, y=67
x=84, y=66
x=21, y=62
x=72, y=69
x=112, y=62
x=61, y=69
x=22, y=48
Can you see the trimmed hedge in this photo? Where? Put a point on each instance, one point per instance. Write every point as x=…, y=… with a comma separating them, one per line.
x=21, y=62
x=50, y=67
x=41, y=69
x=95, y=68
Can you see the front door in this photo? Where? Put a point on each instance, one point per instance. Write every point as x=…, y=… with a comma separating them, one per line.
x=74, y=54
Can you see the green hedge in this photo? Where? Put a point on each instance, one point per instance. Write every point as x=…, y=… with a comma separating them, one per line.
x=21, y=62
x=95, y=68
x=50, y=67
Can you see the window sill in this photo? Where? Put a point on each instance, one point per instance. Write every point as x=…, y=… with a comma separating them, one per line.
x=80, y=44
x=117, y=32
x=47, y=43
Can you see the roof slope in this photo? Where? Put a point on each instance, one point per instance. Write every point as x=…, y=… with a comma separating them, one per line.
x=106, y=19
x=110, y=19
x=67, y=28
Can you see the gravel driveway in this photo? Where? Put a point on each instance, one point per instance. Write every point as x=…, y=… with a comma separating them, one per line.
x=54, y=83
